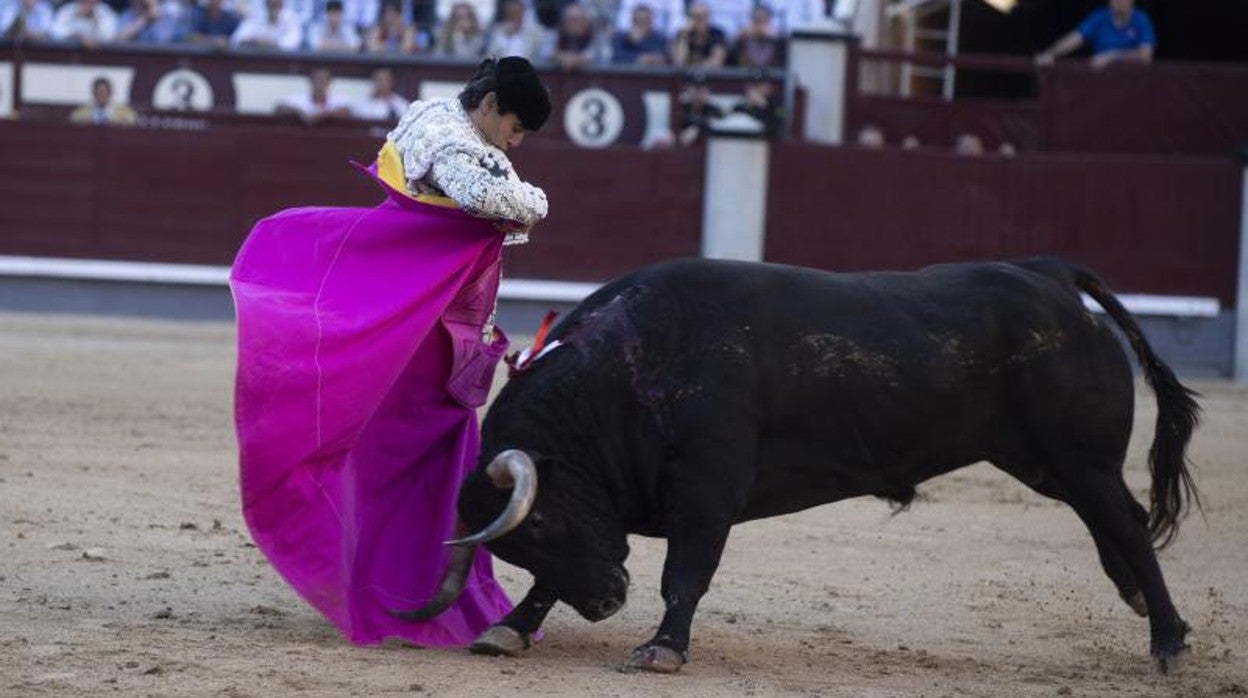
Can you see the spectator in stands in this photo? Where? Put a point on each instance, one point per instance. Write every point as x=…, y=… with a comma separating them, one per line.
x=392, y=34
x=911, y=142
x=758, y=46
x=485, y=10
x=85, y=21
x=730, y=16
x=1118, y=32
x=315, y=106
x=549, y=13
x=641, y=44
x=968, y=144
x=576, y=44
x=667, y=15
x=383, y=103
x=25, y=19
x=461, y=35
x=304, y=10
x=155, y=22
x=333, y=33
x=361, y=14
x=277, y=28
x=870, y=136
x=700, y=44
x=697, y=110
x=213, y=24
x=101, y=109
x=762, y=103
x=788, y=15
x=1007, y=150
x=515, y=34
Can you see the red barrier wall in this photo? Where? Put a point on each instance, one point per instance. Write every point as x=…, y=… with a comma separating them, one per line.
x=191, y=197
x=1147, y=224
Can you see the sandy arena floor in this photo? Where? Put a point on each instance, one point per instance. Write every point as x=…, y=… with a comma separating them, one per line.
x=125, y=566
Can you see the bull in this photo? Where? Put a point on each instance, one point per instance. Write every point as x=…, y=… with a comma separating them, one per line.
x=693, y=395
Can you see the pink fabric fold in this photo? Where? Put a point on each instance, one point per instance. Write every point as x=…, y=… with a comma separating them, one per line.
x=360, y=365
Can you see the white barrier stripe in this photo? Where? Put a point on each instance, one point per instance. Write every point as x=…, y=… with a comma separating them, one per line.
x=511, y=289
x=112, y=270
x=208, y=275
x=1175, y=306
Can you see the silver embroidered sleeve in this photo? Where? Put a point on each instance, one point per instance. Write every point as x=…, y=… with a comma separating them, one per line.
x=485, y=192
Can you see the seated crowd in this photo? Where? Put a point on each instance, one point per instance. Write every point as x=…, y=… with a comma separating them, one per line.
x=570, y=34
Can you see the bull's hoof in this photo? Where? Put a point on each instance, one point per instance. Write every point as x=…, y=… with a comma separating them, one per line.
x=500, y=640
x=1171, y=654
x=655, y=658
x=1171, y=662
x=1137, y=603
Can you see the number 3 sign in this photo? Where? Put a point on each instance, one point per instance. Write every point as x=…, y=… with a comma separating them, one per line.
x=593, y=118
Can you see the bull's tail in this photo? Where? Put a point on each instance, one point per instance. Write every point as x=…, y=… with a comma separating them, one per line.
x=1173, y=490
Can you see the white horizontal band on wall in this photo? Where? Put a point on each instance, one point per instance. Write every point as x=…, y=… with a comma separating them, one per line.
x=208, y=275
x=511, y=289
x=1174, y=306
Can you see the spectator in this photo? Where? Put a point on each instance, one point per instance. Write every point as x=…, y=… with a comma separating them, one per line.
x=361, y=14
x=1007, y=150
x=575, y=45
x=392, y=34
x=383, y=103
x=277, y=28
x=101, y=110
x=213, y=24
x=85, y=21
x=788, y=15
x=155, y=22
x=910, y=142
x=762, y=103
x=485, y=10
x=461, y=35
x=731, y=16
x=25, y=19
x=549, y=13
x=515, y=34
x=641, y=44
x=333, y=33
x=697, y=110
x=668, y=15
x=870, y=136
x=304, y=10
x=1118, y=32
x=700, y=44
x=968, y=144
x=758, y=46
x=317, y=105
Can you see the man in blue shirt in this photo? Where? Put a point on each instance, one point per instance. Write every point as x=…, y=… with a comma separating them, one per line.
x=1118, y=32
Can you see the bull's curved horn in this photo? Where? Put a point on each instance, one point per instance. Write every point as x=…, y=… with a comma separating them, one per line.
x=452, y=586
x=509, y=469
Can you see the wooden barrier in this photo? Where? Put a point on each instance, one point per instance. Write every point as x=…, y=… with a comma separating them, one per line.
x=1148, y=224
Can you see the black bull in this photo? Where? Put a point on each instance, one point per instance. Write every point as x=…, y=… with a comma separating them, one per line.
x=694, y=395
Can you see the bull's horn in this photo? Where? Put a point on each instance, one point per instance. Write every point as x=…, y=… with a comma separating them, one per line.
x=452, y=586
x=509, y=469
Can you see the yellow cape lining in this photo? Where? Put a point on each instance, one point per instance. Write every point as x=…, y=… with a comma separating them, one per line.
x=390, y=169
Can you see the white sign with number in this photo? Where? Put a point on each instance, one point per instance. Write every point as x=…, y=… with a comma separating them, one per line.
x=593, y=118
x=182, y=90
x=6, y=89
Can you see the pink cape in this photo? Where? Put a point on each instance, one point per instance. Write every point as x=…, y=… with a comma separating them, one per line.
x=360, y=365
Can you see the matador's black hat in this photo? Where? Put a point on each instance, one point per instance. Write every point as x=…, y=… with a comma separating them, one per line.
x=521, y=92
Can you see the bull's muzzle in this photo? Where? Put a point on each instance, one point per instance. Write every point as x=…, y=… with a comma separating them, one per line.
x=509, y=470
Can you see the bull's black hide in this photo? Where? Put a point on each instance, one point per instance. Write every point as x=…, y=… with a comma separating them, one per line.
x=693, y=395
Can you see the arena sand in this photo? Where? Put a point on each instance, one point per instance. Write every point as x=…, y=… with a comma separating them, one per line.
x=125, y=567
